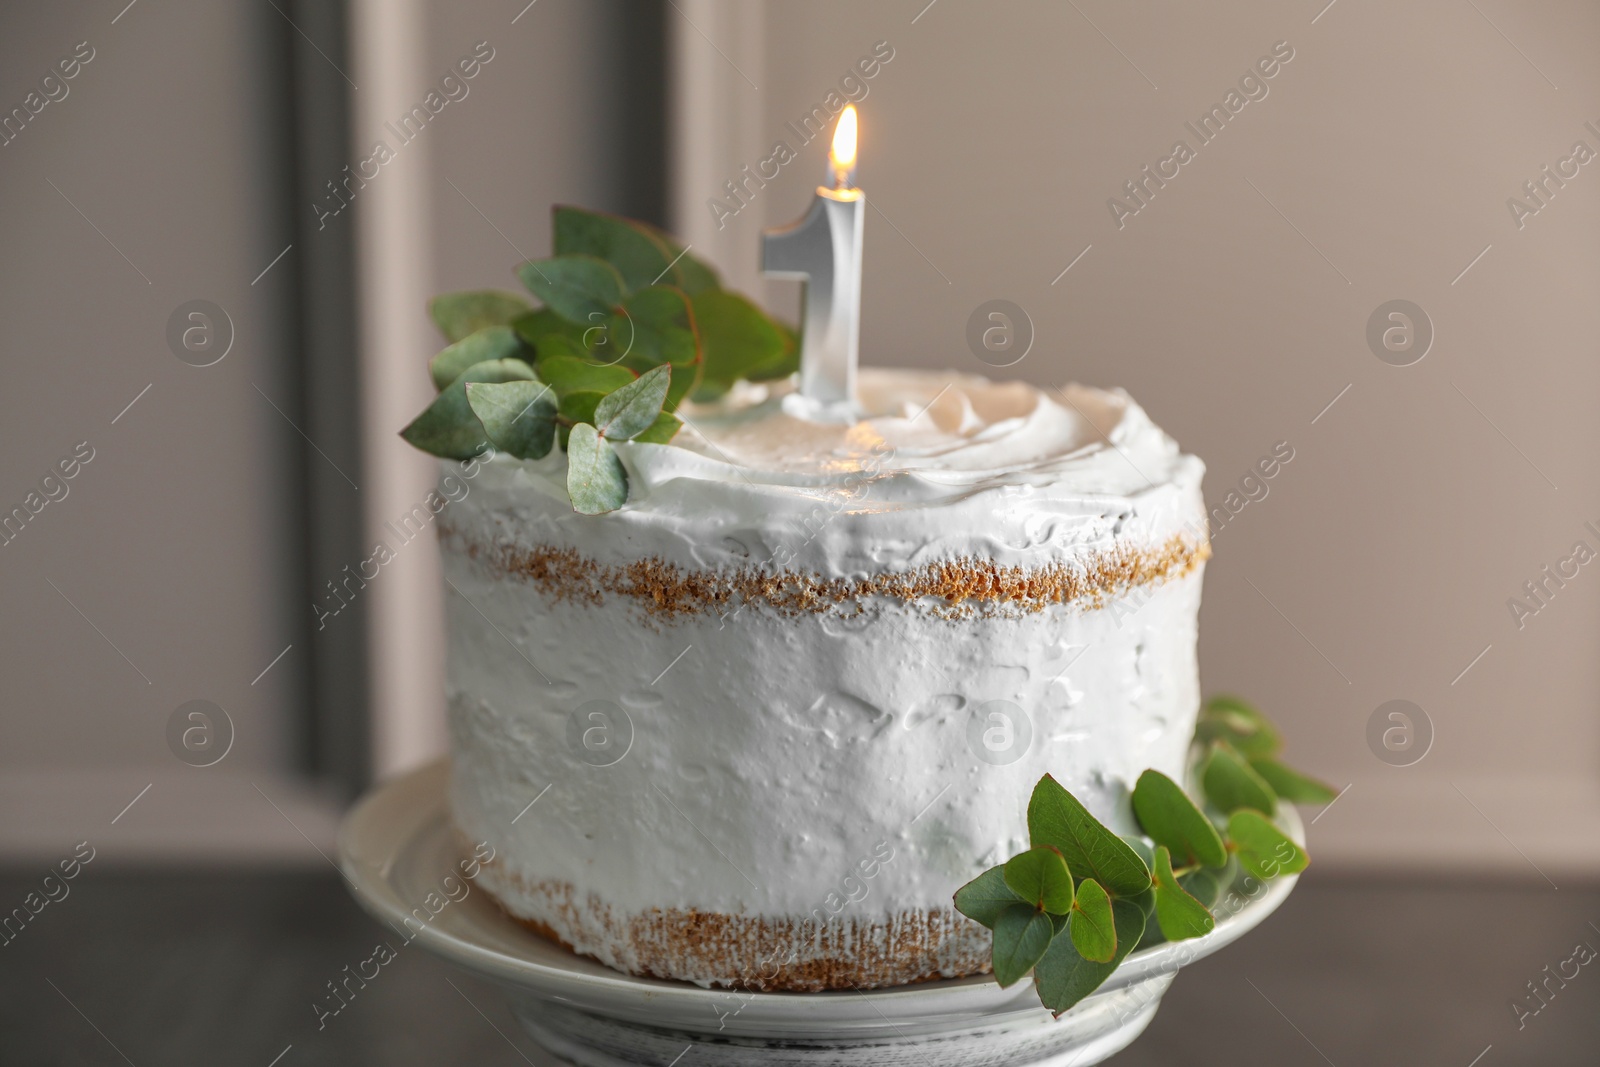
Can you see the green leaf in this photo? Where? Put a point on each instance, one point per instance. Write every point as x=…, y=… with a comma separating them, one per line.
x=1231, y=784
x=1040, y=876
x=567, y=374
x=1093, y=928
x=738, y=338
x=986, y=896
x=1056, y=818
x=581, y=289
x=552, y=335
x=1145, y=900
x=596, y=479
x=1180, y=915
x=661, y=431
x=1205, y=884
x=629, y=411
x=1240, y=724
x=458, y=315
x=1063, y=977
x=789, y=362
x=481, y=346
x=518, y=417
x=580, y=407
x=1263, y=849
x=1170, y=818
x=656, y=326
x=707, y=391
x=448, y=427
x=695, y=276
x=666, y=326
x=689, y=273
x=1290, y=784
x=556, y=346
x=640, y=256
x=1143, y=848
x=1021, y=935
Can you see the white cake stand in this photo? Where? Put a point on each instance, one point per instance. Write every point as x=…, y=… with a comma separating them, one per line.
x=396, y=847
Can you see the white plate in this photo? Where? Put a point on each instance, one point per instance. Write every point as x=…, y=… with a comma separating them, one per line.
x=396, y=847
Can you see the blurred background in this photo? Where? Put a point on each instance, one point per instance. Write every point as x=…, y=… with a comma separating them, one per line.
x=1381, y=257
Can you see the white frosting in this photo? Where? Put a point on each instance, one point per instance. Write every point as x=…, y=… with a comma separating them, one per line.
x=953, y=465
x=772, y=755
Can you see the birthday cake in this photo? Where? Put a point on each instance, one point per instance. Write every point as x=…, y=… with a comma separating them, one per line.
x=752, y=727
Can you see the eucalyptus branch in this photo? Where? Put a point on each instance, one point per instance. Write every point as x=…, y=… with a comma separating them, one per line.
x=1071, y=908
x=622, y=304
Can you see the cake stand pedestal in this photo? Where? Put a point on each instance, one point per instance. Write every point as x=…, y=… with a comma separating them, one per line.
x=396, y=847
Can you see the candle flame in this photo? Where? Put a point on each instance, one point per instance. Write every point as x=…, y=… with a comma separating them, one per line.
x=843, y=154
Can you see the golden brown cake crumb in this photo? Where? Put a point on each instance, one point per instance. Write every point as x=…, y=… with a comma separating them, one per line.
x=958, y=588
x=768, y=954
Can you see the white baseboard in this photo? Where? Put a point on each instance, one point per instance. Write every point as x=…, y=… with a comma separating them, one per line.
x=195, y=817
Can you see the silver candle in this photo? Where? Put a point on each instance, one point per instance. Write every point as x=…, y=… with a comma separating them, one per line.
x=823, y=250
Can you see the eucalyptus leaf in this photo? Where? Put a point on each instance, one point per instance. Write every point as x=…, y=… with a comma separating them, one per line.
x=1063, y=977
x=596, y=479
x=986, y=896
x=1143, y=848
x=707, y=391
x=459, y=315
x=1240, y=724
x=738, y=339
x=655, y=326
x=580, y=406
x=448, y=427
x=691, y=274
x=1290, y=784
x=1058, y=819
x=551, y=335
x=1040, y=876
x=1180, y=915
x=1021, y=935
x=1204, y=884
x=640, y=256
x=660, y=432
x=480, y=346
x=1152, y=930
x=694, y=275
x=1231, y=784
x=1146, y=899
x=518, y=417
x=1263, y=849
x=581, y=289
x=665, y=326
x=559, y=346
x=789, y=362
x=1170, y=818
x=1093, y=928
x=630, y=410
x=567, y=374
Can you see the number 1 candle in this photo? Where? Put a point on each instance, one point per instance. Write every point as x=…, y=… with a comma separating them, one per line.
x=823, y=250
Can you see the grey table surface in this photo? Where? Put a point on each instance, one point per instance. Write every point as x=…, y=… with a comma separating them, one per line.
x=224, y=968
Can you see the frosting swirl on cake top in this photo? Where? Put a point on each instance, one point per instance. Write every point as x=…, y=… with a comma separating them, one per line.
x=936, y=467
x=916, y=437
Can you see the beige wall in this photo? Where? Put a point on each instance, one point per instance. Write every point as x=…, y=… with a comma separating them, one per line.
x=1380, y=563
x=149, y=184
x=177, y=539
